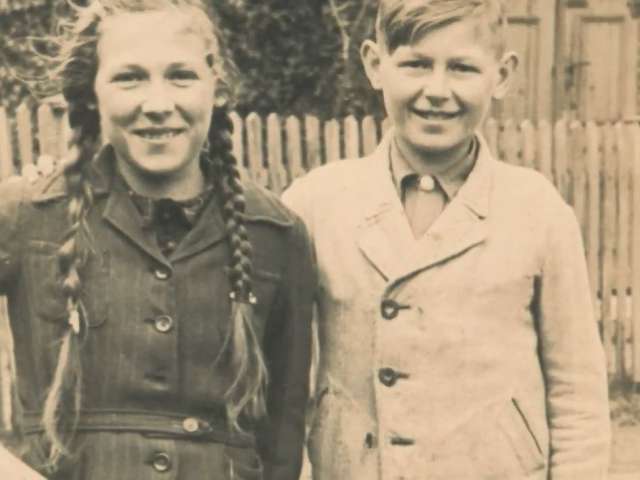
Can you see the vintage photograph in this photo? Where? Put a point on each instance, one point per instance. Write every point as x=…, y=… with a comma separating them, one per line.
x=320, y=239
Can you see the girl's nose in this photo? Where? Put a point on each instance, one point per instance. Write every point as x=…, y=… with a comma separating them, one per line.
x=158, y=100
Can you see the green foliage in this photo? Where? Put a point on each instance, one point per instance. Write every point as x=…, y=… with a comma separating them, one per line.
x=293, y=57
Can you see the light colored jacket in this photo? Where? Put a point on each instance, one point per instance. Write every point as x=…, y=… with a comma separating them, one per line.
x=470, y=353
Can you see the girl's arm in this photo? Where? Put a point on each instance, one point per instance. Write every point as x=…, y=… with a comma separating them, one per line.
x=288, y=354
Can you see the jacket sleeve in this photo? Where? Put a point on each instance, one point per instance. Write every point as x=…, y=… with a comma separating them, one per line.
x=288, y=353
x=572, y=357
x=11, y=198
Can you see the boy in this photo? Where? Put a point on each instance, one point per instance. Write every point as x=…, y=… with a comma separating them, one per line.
x=457, y=338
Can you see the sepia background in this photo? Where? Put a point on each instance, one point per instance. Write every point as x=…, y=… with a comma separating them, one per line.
x=302, y=100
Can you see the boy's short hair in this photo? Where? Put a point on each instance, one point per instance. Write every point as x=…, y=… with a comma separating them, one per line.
x=401, y=22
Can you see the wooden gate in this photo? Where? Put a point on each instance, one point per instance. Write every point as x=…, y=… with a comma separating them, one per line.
x=578, y=60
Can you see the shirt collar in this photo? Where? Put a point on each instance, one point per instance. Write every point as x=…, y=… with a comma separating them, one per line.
x=450, y=180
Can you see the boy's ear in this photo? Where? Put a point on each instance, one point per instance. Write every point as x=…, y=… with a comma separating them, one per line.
x=370, y=54
x=508, y=65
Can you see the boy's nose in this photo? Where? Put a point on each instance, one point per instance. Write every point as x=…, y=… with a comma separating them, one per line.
x=157, y=101
x=436, y=86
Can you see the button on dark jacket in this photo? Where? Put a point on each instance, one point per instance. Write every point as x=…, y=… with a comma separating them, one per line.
x=156, y=328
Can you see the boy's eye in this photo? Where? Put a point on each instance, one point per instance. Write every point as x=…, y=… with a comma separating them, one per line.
x=463, y=68
x=128, y=79
x=416, y=64
x=183, y=77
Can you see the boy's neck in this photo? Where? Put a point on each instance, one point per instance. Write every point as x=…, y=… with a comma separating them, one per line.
x=436, y=163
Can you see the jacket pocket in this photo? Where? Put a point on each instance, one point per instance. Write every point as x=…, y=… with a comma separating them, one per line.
x=516, y=428
x=44, y=284
x=243, y=463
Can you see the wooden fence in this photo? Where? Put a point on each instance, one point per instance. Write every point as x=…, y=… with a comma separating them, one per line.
x=596, y=167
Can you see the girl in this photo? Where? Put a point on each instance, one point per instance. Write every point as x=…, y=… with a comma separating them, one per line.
x=157, y=329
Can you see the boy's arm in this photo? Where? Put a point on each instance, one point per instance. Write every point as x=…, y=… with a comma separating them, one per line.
x=572, y=358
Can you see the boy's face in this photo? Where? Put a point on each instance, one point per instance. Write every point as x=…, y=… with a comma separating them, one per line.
x=438, y=90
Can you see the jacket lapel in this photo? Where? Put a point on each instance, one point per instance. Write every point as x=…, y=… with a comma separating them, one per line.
x=208, y=230
x=384, y=235
x=462, y=225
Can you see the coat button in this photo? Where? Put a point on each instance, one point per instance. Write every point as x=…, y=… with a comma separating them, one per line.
x=427, y=183
x=389, y=308
x=389, y=376
x=163, y=323
x=161, y=462
x=162, y=273
x=190, y=425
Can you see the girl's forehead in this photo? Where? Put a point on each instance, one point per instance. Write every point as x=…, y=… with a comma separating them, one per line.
x=149, y=37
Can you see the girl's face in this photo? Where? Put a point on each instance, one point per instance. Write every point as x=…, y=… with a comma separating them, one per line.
x=155, y=92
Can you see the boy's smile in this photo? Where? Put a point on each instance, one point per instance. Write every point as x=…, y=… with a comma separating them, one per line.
x=438, y=90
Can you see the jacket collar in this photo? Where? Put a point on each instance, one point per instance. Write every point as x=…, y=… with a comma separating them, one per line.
x=121, y=213
x=385, y=235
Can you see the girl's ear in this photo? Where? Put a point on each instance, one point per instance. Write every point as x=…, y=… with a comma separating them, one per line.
x=508, y=65
x=370, y=54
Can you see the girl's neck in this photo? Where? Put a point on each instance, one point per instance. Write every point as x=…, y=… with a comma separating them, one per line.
x=180, y=185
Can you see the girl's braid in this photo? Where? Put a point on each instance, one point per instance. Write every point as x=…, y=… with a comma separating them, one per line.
x=72, y=255
x=247, y=392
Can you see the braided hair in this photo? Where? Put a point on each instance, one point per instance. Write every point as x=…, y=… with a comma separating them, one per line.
x=76, y=66
x=247, y=392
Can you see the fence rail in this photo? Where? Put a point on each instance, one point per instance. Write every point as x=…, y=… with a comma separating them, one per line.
x=596, y=167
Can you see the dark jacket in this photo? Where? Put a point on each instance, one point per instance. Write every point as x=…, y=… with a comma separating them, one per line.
x=153, y=387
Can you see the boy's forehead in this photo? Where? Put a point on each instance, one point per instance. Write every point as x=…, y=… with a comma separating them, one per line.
x=459, y=37
x=404, y=22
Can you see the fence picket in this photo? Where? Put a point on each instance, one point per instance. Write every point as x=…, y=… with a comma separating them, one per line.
x=623, y=273
x=528, y=144
x=351, y=137
x=510, y=141
x=491, y=134
x=331, y=141
x=6, y=153
x=312, y=142
x=236, y=138
x=635, y=244
x=578, y=173
x=255, y=159
x=608, y=233
x=545, y=147
x=25, y=134
x=560, y=158
x=294, y=148
x=369, y=135
x=592, y=238
x=275, y=161
x=46, y=131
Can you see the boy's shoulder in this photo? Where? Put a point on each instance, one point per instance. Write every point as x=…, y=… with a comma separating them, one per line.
x=335, y=176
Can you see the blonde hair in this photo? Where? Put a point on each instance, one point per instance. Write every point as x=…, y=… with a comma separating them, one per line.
x=75, y=66
x=402, y=22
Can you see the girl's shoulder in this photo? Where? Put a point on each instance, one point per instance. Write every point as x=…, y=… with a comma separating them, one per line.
x=264, y=205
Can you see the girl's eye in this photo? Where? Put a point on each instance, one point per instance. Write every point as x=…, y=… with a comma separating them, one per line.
x=128, y=79
x=183, y=77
